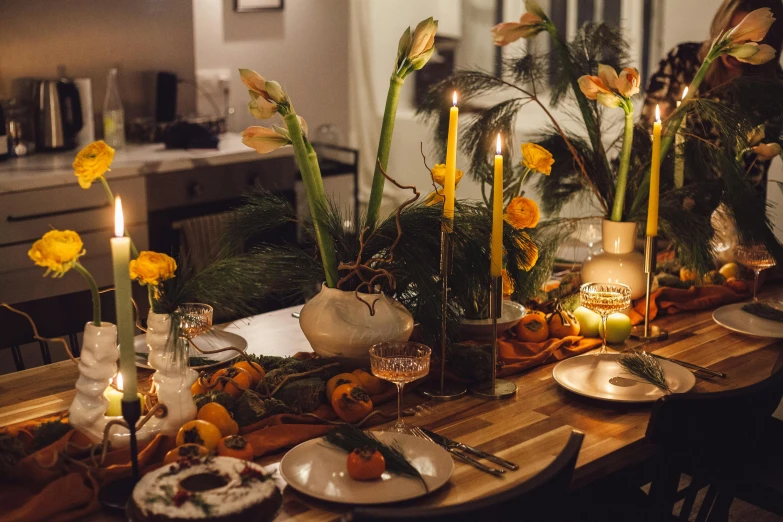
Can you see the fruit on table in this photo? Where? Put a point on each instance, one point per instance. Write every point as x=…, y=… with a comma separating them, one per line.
x=255, y=370
x=738, y=286
x=338, y=380
x=589, y=321
x=220, y=397
x=372, y=384
x=351, y=403
x=232, y=380
x=562, y=323
x=713, y=277
x=532, y=328
x=185, y=451
x=687, y=274
x=220, y=417
x=730, y=270
x=235, y=446
x=200, y=387
x=199, y=432
x=618, y=328
x=366, y=464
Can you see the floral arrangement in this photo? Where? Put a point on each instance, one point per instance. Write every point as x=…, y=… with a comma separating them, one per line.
x=586, y=72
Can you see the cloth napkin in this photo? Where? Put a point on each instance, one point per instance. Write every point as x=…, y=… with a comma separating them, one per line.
x=517, y=356
x=676, y=300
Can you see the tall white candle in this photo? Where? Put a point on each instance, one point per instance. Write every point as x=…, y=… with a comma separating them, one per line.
x=120, y=255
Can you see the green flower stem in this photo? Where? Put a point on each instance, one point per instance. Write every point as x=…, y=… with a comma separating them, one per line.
x=111, y=203
x=96, y=298
x=384, y=146
x=625, y=160
x=316, y=197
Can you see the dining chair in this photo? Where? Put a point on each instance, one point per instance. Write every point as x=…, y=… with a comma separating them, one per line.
x=538, y=498
x=715, y=438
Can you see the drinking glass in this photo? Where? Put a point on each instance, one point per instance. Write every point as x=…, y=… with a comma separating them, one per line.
x=195, y=319
x=605, y=299
x=757, y=258
x=400, y=362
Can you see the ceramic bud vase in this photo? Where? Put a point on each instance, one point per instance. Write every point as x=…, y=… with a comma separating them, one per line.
x=97, y=366
x=173, y=377
x=619, y=262
x=337, y=324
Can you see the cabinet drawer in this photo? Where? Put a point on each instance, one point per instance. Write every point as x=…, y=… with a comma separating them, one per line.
x=21, y=280
x=26, y=216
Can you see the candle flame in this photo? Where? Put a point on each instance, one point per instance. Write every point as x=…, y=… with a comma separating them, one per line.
x=684, y=93
x=454, y=99
x=119, y=221
x=118, y=381
x=497, y=148
x=657, y=114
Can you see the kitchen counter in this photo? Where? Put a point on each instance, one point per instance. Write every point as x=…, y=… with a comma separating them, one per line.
x=52, y=169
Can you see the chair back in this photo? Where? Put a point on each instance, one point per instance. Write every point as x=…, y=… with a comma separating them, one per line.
x=538, y=498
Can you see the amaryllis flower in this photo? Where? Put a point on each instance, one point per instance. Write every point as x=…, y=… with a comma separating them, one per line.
x=261, y=109
x=752, y=28
x=264, y=139
x=628, y=82
x=423, y=43
x=608, y=88
x=752, y=53
x=254, y=82
x=767, y=151
x=528, y=26
x=592, y=85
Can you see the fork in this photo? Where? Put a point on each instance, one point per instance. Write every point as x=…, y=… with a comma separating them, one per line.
x=416, y=432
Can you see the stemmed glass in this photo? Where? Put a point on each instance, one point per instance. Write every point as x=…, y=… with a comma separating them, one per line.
x=400, y=362
x=195, y=319
x=757, y=258
x=605, y=299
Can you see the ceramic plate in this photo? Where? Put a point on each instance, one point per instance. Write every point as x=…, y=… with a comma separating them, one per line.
x=477, y=329
x=212, y=340
x=602, y=377
x=732, y=317
x=319, y=470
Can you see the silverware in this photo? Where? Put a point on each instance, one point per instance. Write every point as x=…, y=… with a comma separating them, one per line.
x=295, y=315
x=696, y=367
x=445, y=441
x=460, y=456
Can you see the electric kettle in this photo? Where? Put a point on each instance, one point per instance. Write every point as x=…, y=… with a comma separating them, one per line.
x=58, y=113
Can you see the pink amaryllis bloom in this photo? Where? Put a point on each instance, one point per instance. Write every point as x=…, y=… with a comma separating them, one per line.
x=528, y=26
x=752, y=28
x=264, y=139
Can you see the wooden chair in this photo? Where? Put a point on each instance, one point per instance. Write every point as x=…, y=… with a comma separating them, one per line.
x=716, y=438
x=538, y=498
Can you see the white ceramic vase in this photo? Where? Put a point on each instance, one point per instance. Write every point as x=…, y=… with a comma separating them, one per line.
x=619, y=262
x=97, y=366
x=338, y=325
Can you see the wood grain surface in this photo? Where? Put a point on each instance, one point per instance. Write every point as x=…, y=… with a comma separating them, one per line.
x=529, y=429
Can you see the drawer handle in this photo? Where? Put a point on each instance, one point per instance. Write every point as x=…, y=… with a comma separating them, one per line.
x=30, y=217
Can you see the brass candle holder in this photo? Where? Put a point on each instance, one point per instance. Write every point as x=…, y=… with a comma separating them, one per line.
x=648, y=332
x=444, y=391
x=495, y=388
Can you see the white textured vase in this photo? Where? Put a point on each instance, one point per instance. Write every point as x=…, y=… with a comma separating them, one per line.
x=619, y=262
x=97, y=366
x=337, y=324
x=173, y=378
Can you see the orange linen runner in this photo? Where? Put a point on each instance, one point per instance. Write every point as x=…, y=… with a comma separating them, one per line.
x=677, y=300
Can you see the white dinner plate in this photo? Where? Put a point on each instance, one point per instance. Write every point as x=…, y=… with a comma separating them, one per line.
x=319, y=470
x=602, y=377
x=212, y=340
x=479, y=329
x=732, y=317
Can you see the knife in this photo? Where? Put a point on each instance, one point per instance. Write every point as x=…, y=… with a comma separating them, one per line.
x=449, y=443
x=692, y=366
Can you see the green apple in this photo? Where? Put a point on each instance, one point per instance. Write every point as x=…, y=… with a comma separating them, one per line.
x=618, y=328
x=589, y=321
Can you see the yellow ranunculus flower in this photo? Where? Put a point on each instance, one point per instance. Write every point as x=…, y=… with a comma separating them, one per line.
x=150, y=268
x=57, y=251
x=508, y=284
x=522, y=213
x=439, y=174
x=535, y=157
x=92, y=162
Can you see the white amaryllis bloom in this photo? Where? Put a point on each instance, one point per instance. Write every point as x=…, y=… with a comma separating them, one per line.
x=275, y=91
x=264, y=139
x=609, y=99
x=752, y=53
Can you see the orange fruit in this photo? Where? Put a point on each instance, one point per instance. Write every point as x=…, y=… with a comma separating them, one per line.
x=235, y=446
x=533, y=328
x=255, y=370
x=199, y=432
x=562, y=324
x=372, y=384
x=218, y=415
x=241, y=380
x=185, y=451
x=351, y=403
x=338, y=380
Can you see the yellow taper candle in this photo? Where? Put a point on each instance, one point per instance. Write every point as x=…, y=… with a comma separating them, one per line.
x=120, y=256
x=496, y=250
x=451, y=161
x=655, y=176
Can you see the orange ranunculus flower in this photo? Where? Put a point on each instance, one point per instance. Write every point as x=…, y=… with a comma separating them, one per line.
x=522, y=213
x=439, y=174
x=264, y=139
x=628, y=82
x=152, y=268
x=92, y=162
x=537, y=158
x=752, y=28
x=508, y=284
x=57, y=251
x=528, y=26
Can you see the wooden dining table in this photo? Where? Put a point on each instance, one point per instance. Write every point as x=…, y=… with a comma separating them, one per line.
x=530, y=428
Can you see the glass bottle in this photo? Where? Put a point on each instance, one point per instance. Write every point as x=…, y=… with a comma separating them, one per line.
x=113, y=114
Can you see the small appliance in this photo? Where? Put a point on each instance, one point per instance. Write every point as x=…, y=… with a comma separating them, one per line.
x=57, y=111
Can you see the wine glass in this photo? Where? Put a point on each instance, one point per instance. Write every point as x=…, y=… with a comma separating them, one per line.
x=757, y=258
x=195, y=319
x=400, y=362
x=605, y=299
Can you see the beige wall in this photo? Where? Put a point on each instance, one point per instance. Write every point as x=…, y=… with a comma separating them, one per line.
x=304, y=47
x=89, y=36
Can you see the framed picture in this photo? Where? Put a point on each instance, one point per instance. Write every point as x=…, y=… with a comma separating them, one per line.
x=252, y=6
